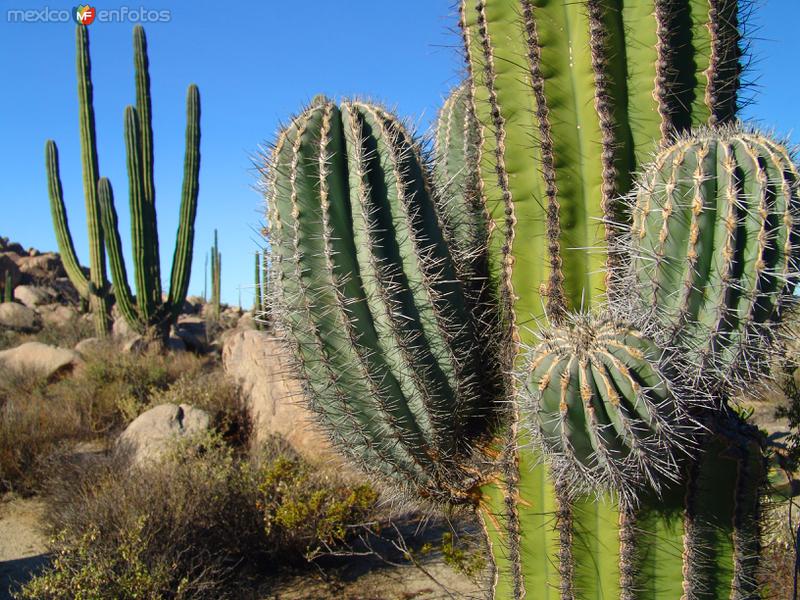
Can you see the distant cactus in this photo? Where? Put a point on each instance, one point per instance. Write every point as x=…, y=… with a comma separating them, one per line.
x=8, y=288
x=216, y=277
x=95, y=287
x=258, y=299
x=148, y=312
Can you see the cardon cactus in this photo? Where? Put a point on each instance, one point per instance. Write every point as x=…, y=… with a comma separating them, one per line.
x=216, y=277
x=93, y=288
x=568, y=100
x=148, y=312
x=8, y=288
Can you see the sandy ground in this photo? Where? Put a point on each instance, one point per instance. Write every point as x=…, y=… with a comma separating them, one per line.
x=22, y=543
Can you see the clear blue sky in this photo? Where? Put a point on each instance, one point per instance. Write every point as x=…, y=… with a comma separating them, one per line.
x=255, y=63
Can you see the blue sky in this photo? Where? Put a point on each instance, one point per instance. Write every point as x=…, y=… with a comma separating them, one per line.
x=255, y=63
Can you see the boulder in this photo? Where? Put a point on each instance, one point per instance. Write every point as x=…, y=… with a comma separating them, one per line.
x=18, y=317
x=9, y=265
x=8, y=246
x=42, y=267
x=41, y=358
x=34, y=295
x=88, y=346
x=135, y=345
x=176, y=344
x=192, y=330
x=260, y=364
x=152, y=432
x=246, y=321
x=193, y=305
x=57, y=315
x=121, y=329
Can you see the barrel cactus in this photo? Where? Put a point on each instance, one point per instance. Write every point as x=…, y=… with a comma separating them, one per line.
x=495, y=332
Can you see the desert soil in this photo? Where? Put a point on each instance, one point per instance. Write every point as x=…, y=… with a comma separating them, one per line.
x=22, y=541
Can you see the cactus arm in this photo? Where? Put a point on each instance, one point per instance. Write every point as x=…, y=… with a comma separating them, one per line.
x=148, y=202
x=509, y=163
x=184, y=241
x=122, y=291
x=596, y=549
x=60, y=224
x=562, y=81
x=543, y=520
x=257, y=281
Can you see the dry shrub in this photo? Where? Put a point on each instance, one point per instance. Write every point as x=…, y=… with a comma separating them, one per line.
x=65, y=335
x=32, y=425
x=191, y=526
x=98, y=400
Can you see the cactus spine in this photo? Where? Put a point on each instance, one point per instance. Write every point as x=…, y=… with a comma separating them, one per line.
x=148, y=312
x=567, y=99
x=216, y=273
x=93, y=288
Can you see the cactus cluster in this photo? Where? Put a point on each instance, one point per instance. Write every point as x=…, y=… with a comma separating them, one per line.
x=548, y=321
x=148, y=312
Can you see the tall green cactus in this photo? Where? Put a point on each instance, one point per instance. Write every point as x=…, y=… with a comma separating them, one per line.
x=148, y=312
x=93, y=288
x=216, y=277
x=566, y=102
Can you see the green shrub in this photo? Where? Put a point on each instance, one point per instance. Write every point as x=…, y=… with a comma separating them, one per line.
x=306, y=510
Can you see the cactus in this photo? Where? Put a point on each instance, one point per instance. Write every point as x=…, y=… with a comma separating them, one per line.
x=216, y=272
x=713, y=245
x=148, y=312
x=93, y=288
x=258, y=295
x=393, y=355
x=531, y=236
x=8, y=288
x=601, y=399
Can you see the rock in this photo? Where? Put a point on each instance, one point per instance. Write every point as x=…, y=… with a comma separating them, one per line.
x=65, y=291
x=32, y=295
x=193, y=305
x=7, y=246
x=135, y=345
x=192, y=330
x=18, y=317
x=88, y=346
x=57, y=315
x=246, y=321
x=152, y=432
x=9, y=265
x=43, y=267
x=259, y=363
x=176, y=344
x=121, y=329
x=44, y=359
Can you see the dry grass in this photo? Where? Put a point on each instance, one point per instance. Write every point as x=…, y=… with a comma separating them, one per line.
x=38, y=417
x=193, y=525
x=64, y=336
